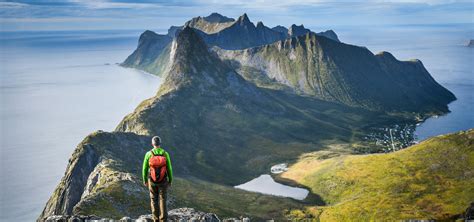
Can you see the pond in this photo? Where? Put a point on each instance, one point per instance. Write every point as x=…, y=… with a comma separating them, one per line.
x=266, y=185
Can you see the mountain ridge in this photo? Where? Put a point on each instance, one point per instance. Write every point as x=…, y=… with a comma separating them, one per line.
x=222, y=128
x=340, y=72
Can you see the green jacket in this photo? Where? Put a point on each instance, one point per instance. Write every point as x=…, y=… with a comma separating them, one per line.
x=157, y=151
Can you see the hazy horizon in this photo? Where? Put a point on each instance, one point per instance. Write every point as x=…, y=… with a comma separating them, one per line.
x=29, y=15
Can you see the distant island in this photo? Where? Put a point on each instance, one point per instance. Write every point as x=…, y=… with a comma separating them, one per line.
x=238, y=98
x=470, y=43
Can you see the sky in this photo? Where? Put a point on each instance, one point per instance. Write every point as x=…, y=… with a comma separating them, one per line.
x=21, y=15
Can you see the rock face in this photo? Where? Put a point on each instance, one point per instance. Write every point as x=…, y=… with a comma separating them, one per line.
x=95, y=164
x=347, y=74
x=470, y=43
x=152, y=53
x=296, y=30
x=281, y=29
x=330, y=34
x=243, y=34
x=210, y=24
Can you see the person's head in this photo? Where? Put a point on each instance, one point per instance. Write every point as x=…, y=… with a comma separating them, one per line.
x=156, y=141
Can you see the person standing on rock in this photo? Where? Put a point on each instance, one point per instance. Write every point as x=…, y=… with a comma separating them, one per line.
x=157, y=175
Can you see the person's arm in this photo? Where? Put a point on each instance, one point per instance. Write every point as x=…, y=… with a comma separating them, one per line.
x=169, y=167
x=145, y=168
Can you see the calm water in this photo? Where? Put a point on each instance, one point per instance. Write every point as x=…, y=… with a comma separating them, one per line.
x=265, y=184
x=56, y=88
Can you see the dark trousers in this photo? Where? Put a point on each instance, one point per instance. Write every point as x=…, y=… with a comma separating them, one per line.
x=158, y=201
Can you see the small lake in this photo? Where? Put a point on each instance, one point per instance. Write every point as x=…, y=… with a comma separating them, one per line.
x=266, y=185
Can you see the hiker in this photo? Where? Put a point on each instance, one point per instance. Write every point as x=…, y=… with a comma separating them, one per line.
x=157, y=175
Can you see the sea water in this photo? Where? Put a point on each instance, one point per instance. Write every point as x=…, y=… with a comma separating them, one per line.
x=56, y=88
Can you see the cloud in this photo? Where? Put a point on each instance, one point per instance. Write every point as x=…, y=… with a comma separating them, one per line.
x=103, y=4
x=163, y=13
x=7, y=5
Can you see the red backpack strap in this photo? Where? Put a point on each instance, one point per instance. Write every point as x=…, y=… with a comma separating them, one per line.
x=153, y=154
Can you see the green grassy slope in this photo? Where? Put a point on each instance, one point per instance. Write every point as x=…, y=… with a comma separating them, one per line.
x=333, y=71
x=430, y=180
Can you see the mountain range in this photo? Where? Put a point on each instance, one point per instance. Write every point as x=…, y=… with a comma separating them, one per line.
x=307, y=63
x=228, y=113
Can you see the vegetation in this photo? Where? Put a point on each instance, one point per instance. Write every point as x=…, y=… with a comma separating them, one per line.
x=431, y=180
x=329, y=70
x=223, y=129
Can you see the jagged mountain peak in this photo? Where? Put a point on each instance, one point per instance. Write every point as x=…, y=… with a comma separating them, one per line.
x=244, y=20
x=188, y=45
x=192, y=64
x=329, y=34
x=297, y=30
x=147, y=34
x=281, y=29
x=217, y=18
x=385, y=54
x=260, y=25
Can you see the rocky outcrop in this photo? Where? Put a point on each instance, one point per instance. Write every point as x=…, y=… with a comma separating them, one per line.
x=175, y=215
x=152, y=53
x=296, y=30
x=470, y=43
x=330, y=34
x=243, y=34
x=281, y=29
x=213, y=23
x=93, y=167
x=69, y=191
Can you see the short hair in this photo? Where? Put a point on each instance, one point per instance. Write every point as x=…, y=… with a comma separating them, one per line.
x=156, y=140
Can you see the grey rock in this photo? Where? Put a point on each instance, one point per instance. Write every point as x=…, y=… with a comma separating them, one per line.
x=329, y=34
x=469, y=214
x=126, y=219
x=470, y=43
x=297, y=30
x=57, y=218
x=70, y=189
x=190, y=214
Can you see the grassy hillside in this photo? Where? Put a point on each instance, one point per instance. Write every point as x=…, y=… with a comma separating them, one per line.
x=430, y=180
x=329, y=70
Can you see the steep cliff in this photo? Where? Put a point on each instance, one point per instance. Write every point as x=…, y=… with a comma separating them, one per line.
x=314, y=65
x=152, y=53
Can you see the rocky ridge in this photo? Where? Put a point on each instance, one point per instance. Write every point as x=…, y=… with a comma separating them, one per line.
x=153, y=51
x=351, y=75
x=178, y=215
